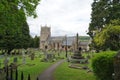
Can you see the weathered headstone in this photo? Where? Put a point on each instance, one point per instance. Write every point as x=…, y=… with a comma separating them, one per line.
x=1, y=56
x=15, y=60
x=23, y=52
x=6, y=61
x=117, y=66
x=48, y=56
x=32, y=56
x=24, y=60
x=45, y=53
x=23, y=57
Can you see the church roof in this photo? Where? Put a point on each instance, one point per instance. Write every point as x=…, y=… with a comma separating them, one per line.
x=69, y=41
x=58, y=38
x=84, y=43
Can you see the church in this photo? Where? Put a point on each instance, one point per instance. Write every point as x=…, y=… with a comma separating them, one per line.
x=47, y=42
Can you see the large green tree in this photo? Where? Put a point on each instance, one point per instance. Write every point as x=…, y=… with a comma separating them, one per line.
x=35, y=42
x=103, y=11
x=14, y=30
x=109, y=37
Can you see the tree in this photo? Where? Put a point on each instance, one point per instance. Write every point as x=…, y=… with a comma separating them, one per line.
x=109, y=37
x=36, y=42
x=103, y=11
x=31, y=42
x=28, y=6
x=14, y=30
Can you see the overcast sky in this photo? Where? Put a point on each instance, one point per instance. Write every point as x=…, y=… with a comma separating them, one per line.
x=65, y=17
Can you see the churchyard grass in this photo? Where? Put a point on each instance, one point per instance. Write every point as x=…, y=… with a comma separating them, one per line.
x=36, y=67
x=32, y=67
x=63, y=72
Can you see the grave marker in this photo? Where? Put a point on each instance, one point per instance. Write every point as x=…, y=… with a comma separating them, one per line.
x=32, y=56
x=15, y=60
x=6, y=61
x=24, y=59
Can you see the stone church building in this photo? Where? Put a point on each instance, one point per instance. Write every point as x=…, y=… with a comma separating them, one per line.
x=47, y=42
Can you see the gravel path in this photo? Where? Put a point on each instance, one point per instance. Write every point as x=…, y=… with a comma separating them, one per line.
x=48, y=73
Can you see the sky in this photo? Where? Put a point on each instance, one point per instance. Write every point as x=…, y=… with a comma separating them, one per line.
x=65, y=17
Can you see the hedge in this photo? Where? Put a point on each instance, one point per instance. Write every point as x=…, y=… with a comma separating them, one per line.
x=102, y=65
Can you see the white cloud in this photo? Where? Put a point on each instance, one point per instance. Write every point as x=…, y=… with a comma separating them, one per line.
x=65, y=17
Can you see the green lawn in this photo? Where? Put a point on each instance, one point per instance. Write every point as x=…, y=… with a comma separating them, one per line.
x=63, y=72
x=32, y=67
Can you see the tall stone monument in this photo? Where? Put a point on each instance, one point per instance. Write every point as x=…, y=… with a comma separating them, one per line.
x=77, y=57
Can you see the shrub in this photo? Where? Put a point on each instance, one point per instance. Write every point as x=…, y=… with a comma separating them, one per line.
x=102, y=65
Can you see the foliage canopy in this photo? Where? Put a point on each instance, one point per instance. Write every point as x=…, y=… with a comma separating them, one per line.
x=109, y=37
x=14, y=30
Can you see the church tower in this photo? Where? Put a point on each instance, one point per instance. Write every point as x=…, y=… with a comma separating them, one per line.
x=45, y=35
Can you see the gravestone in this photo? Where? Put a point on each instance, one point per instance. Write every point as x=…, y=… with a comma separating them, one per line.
x=1, y=56
x=32, y=56
x=45, y=53
x=117, y=66
x=15, y=60
x=23, y=52
x=24, y=59
x=6, y=61
x=49, y=56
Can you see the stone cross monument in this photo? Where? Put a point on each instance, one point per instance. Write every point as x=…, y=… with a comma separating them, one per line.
x=77, y=57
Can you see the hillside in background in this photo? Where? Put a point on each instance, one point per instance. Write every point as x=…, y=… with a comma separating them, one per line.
x=84, y=38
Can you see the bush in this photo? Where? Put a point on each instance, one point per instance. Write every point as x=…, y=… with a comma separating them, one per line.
x=102, y=65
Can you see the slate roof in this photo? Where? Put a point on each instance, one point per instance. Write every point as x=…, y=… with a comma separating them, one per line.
x=84, y=43
x=58, y=38
x=69, y=41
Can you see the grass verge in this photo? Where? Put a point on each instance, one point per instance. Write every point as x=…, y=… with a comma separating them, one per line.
x=63, y=72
